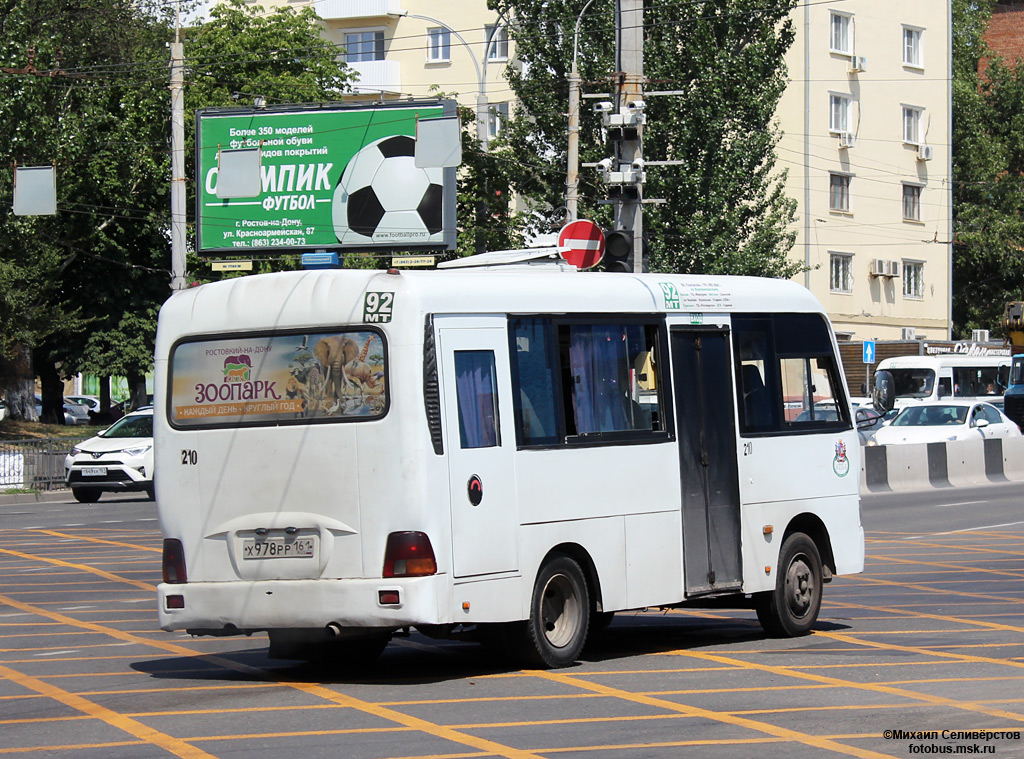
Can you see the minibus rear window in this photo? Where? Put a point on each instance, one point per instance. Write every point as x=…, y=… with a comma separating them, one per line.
x=281, y=378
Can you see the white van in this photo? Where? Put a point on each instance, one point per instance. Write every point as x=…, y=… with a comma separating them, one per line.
x=511, y=451
x=921, y=379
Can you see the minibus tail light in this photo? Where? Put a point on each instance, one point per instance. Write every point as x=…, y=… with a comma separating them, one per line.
x=174, y=562
x=409, y=554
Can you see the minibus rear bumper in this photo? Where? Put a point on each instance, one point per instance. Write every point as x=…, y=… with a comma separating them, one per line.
x=243, y=606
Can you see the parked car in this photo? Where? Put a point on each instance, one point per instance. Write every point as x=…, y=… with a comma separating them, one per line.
x=75, y=413
x=91, y=402
x=118, y=459
x=946, y=421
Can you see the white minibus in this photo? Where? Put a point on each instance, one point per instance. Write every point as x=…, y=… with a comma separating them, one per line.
x=512, y=452
x=929, y=378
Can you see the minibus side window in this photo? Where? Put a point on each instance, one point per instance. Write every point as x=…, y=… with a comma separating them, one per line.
x=612, y=382
x=577, y=380
x=534, y=370
x=808, y=391
x=787, y=375
x=477, y=394
x=754, y=344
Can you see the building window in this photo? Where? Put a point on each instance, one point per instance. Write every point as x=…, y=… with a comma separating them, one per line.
x=912, y=202
x=496, y=42
x=911, y=47
x=840, y=37
x=497, y=116
x=912, y=121
x=839, y=113
x=364, y=46
x=439, y=44
x=840, y=272
x=913, y=279
x=838, y=192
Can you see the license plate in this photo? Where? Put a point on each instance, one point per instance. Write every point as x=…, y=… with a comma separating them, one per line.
x=94, y=471
x=279, y=548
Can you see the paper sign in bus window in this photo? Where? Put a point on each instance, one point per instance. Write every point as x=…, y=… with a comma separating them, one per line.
x=278, y=378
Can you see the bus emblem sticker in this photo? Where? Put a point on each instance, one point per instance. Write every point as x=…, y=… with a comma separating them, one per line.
x=841, y=463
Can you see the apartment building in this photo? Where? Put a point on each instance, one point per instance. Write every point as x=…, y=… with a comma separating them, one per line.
x=866, y=139
x=865, y=122
x=402, y=49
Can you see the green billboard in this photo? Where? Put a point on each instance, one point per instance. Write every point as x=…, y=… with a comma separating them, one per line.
x=328, y=177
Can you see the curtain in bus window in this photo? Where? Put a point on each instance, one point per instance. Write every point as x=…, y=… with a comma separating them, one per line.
x=598, y=364
x=477, y=395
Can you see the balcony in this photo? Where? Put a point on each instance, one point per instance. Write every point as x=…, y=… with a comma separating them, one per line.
x=377, y=76
x=341, y=10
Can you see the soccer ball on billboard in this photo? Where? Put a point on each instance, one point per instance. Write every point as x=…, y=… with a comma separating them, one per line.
x=383, y=198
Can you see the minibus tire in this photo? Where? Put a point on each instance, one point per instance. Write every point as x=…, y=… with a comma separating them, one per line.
x=86, y=495
x=556, y=631
x=792, y=608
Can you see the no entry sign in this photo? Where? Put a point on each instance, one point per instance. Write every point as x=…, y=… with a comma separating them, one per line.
x=581, y=243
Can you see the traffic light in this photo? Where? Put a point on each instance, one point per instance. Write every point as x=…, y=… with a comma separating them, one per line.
x=618, y=251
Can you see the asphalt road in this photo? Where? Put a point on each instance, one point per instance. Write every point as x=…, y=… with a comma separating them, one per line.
x=929, y=638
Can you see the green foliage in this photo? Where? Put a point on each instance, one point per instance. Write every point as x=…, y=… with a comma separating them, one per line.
x=486, y=218
x=83, y=287
x=244, y=51
x=726, y=211
x=95, y=118
x=988, y=176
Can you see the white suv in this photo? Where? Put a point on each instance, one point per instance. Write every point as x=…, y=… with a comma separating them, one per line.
x=118, y=459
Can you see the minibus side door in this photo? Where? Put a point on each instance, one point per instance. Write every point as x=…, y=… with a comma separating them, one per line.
x=709, y=476
x=476, y=393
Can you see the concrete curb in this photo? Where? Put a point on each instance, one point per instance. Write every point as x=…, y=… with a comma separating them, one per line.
x=925, y=466
x=11, y=499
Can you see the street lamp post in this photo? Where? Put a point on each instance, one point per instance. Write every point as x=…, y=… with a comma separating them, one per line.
x=572, y=180
x=481, y=73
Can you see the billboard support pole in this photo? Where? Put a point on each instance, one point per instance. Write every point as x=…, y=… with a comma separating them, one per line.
x=177, y=165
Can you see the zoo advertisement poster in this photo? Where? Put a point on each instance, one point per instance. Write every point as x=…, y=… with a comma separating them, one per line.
x=272, y=379
x=330, y=177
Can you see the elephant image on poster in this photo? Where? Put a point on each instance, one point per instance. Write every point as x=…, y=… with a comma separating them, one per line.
x=334, y=353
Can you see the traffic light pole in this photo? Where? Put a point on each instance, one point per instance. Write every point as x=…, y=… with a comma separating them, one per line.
x=629, y=53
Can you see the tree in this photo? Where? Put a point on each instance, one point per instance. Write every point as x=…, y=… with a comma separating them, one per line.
x=988, y=176
x=82, y=288
x=76, y=98
x=485, y=214
x=725, y=209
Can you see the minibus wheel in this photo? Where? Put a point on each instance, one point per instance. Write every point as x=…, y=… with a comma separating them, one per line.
x=559, y=615
x=792, y=608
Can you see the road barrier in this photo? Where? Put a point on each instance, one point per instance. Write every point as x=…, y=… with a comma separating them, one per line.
x=33, y=464
x=920, y=466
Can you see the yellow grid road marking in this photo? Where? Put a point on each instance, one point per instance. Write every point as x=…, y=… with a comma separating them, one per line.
x=127, y=724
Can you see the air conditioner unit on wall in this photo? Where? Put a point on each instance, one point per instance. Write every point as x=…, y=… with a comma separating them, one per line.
x=847, y=139
x=858, y=63
x=924, y=152
x=908, y=333
x=878, y=267
x=979, y=335
x=892, y=268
